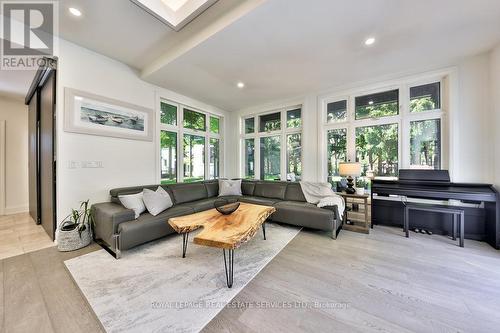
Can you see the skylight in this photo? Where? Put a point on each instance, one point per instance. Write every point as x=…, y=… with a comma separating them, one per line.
x=175, y=13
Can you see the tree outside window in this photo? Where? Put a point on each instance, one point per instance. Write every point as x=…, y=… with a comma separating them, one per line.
x=377, y=149
x=336, y=152
x=270, y=158
x=294, y=156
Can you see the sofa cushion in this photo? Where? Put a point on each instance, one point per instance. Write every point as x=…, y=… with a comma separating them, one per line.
x=303, y=214
x=147, y=227
x=186, y=192
x=134, y=202
x=247, y=187
x=258, y=200
x=200, y=205
x=274, y=190
x=229, y=187
x=114, y=193
x=212, y=188
x=156, y=201
x=294, y=193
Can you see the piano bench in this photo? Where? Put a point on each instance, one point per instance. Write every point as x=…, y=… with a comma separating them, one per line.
x=458, y=214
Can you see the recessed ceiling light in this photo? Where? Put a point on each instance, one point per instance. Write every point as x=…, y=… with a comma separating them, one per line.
x=369, y=41
x=240, y=85
x=370, y=102
x=75, y=12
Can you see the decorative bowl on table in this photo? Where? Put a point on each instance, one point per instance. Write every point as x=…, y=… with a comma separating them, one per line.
x=225, y=206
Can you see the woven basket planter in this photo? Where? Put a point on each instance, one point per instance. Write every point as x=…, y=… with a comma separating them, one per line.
x=71, y=240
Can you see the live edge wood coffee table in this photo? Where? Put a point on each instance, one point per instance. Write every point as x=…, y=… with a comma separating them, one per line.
x=226, y=232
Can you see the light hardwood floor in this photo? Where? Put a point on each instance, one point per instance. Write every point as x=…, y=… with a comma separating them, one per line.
x=381, y=281
x=19, y=234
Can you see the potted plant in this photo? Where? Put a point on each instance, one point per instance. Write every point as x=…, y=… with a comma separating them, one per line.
x=76, y=230
x=360, y=186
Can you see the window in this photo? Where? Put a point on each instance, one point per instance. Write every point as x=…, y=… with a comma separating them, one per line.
x=194, y=120
x=389, y=129
x=249, y=159
x=425, y=144
x=191, y=144
x=294, y=157
x=377, y=149
x=336, y=111
x=168, y=114
x=279, y=148
x=377, y=105
x=425, y=97
x=214, y=172
x=194, y=158
x=293, y=118
x=270, y=122
x=249, y=125
x=337, y=152
x=168, y=157
x=214, y=125
x=270, y=162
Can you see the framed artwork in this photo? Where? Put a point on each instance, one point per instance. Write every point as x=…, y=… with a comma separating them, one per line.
x=86, y=113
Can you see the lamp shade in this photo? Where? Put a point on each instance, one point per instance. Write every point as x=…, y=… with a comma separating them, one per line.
x=350, y=169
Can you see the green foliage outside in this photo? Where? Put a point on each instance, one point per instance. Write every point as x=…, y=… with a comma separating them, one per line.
x=425, y=142
x=190, y=141
x=194, y=120
x=294, y=123
x=294, y=152
x=168, y=114
x=270, y=125
x=377, y=149
x=336, y=115
x=193, y=179
x=425, y=136
x=214, y=158
x=377, y=110
x=336, y=152
x=424, y=103
x=293, y=118
x=249, y=125
x=168, y=142
x=270, y=148
x=249, y=158
x=214, y=125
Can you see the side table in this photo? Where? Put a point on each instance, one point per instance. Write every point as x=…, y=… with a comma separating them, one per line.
x=357, y=215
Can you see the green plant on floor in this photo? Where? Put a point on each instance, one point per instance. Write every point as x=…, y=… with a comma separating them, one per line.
x=79, y=218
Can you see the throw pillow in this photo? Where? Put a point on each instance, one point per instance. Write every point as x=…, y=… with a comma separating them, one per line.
x=134, y=202
x=229, y=187
x=156, y=202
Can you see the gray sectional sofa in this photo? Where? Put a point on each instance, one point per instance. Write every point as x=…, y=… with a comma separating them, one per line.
x=116, y=228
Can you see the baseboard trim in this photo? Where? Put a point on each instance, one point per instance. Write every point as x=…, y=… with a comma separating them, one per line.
x=16, y=210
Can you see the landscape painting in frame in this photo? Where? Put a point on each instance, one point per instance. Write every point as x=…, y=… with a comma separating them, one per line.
x=87, y=113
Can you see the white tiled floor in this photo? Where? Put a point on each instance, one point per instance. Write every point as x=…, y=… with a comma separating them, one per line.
x=19, y=234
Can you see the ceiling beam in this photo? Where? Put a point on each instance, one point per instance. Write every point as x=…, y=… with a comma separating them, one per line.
x=216, y=18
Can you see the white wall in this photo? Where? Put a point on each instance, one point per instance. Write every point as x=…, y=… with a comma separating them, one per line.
x=471, y=131
x=15, y=114
x=495, y=109
x=125, y=162
x=470, y=158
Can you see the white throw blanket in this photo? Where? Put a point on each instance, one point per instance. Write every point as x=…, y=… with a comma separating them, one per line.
x=321, y=194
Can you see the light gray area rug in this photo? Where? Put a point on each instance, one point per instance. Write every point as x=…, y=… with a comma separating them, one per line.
x=153, y=289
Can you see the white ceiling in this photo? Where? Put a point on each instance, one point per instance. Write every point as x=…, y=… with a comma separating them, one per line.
x=287, y=48
x=280, y=48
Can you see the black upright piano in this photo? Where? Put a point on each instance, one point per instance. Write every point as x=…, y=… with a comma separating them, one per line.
x=480, y=203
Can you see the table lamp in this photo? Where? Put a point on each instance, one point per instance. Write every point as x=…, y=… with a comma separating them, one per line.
x=349, y=170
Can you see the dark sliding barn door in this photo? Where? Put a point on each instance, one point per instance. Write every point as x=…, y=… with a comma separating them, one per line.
x=33, y=158
x=47, y=160
x=41, y=99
